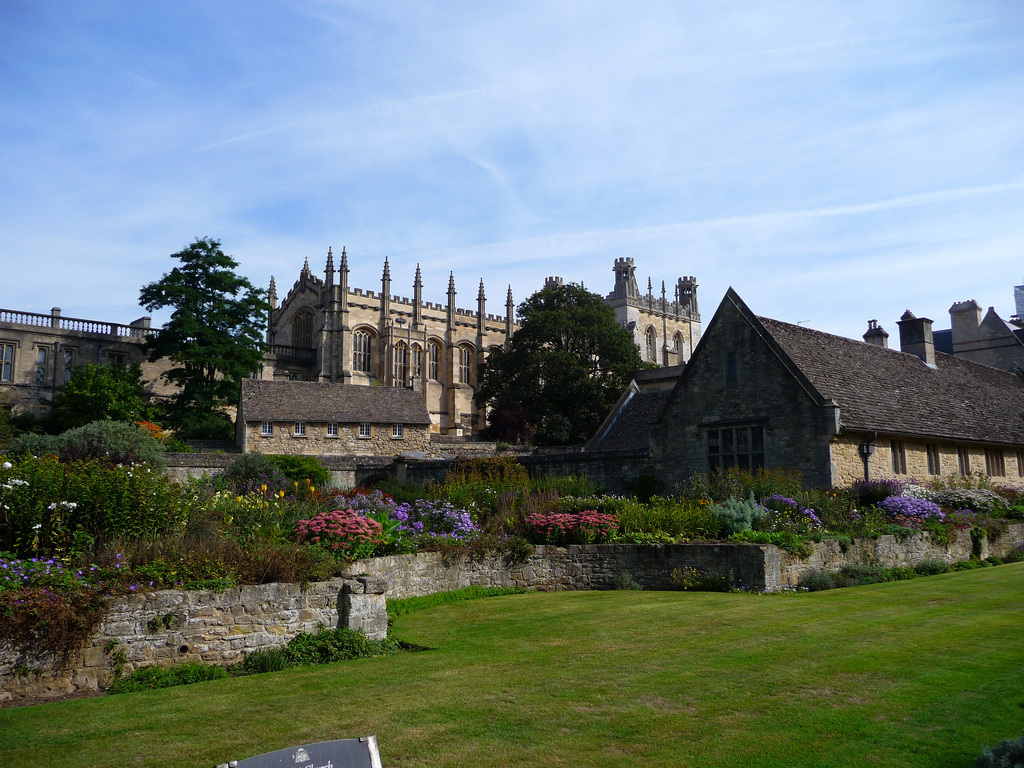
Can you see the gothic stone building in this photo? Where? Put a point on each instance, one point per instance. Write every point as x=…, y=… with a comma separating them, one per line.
x=325, y=331
x=759, y=392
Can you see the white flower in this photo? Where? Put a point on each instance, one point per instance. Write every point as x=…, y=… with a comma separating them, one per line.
x=7, y=465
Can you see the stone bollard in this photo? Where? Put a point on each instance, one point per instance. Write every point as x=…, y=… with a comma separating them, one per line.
x=361, y=605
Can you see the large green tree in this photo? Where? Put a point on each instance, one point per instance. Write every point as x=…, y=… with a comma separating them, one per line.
x=564, y=370
x=98, y=392
x=214, y=337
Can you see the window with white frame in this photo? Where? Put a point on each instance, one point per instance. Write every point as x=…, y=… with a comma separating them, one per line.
x=332, y=429
x=300, y=429
x=397, y=430
x=364, y=430
x=362, y=346
x=6, y=362
x=267, y=428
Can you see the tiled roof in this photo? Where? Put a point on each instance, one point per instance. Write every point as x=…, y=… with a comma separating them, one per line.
x=631, y=422
x=885, y=390
x=325, y=402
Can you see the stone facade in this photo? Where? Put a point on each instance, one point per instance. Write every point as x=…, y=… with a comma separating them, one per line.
x=324, y=330
x=987, y=339
x=38, y=353
x=173, y=626
x=348, y=441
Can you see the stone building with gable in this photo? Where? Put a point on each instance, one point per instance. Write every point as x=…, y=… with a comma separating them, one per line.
x=324, y=418
x=760, y=392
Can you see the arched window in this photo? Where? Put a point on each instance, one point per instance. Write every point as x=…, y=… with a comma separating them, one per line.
x=465, y=365
x=302, y=329
x=677, y=342
x=362, y=345
x=401, y=363
x=435, y=361
x=652, y=344
x=417, y=362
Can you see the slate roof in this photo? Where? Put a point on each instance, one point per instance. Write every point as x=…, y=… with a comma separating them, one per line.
x=885, y=390
x=628, y=426
x=325, y=402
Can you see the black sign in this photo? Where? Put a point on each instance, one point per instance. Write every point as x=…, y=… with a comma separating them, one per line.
x=346, y=753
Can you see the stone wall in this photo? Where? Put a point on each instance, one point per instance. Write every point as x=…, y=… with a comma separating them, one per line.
x=888, y=552
x=848, y=466
x=573, y=568
x=173, y=626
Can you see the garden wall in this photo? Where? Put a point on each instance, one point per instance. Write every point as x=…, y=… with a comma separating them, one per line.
x=172, y=626
x=753, y=566
x=888, y=552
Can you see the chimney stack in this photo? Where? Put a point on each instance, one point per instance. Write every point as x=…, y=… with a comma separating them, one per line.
x=916, y=337
x=876, y=335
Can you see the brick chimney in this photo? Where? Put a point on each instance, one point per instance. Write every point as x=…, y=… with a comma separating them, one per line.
x=876, y=335
x=916, y=337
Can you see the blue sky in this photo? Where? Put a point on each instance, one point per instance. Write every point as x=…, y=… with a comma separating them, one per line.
x=832, y=161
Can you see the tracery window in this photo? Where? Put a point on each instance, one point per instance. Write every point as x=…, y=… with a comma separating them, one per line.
x=302, y=329
x=362, y=345
x=401, y=363
x=435, y=362
x=652, y=344
x=465, y=365
x=417, y=362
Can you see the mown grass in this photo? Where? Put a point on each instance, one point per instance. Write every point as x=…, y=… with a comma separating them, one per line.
x=914, y=673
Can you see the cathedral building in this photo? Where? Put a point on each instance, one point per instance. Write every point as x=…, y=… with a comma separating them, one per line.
x=326, y=331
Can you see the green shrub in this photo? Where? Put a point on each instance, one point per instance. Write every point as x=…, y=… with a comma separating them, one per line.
x=625, y=581
x=787, y=540
x=299, y=469
x=32, y=444
x=118, y=442
x=931, y=567
x=676, y=518
x=1015, y=555
x=264, y=660
x=151, y=678
x=858, y=574
x=738, y=515
x=252, y=470
x=817, y=581
x=1008, y=753
x=331, y=645
x=967, y=565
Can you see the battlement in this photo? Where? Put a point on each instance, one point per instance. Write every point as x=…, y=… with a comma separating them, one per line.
x=624, y=262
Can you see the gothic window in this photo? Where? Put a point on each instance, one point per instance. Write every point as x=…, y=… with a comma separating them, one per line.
x=69, y=363
x=6, y=362
x=741, y=447
x=401, y=363
x=465, y=365
x=302, y=329
x=41, y=365
x=417, y=362
x=435, y=362
x=362, y=343
x=677, y=342
x=652, y=344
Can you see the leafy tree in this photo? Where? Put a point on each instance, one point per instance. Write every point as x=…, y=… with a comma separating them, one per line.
x=564, y=370
x=97, y=392
x=214, y=336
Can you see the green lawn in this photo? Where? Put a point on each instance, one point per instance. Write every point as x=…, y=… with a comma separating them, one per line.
x=915, y=673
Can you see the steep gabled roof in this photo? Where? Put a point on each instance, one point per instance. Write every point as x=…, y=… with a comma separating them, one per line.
x=885, y=390
x=325, y=402
x=627, y=427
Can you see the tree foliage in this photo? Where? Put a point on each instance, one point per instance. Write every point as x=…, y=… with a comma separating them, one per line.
x=97, y=392
x=214, y=337
x=564, y=370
